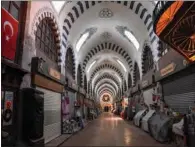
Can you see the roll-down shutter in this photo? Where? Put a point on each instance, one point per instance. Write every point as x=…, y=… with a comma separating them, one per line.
x=52, y=114
x=179, y=92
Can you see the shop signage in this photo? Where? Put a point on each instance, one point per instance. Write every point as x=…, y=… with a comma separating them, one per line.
x=168, y=69
x=144, y=83
x=48, y=84
x=54, y=73
x=39, y=66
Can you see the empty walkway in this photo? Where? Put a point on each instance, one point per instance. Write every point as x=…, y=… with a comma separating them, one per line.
x=110, y=130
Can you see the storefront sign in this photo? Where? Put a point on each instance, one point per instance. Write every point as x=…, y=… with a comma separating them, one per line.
x=54, y=73
x=48, y=84
x=39, y=66
x=144, y=83
x=168, y=69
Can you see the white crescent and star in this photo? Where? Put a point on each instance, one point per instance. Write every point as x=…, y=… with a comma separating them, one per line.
x=7, y=23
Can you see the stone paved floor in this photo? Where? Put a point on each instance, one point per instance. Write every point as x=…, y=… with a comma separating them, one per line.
x=110, y=130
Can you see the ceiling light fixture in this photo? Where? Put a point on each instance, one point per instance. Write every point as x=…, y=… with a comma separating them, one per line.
x=82, y=40
x=122, y=65
x=132, y=38
x=91, y=66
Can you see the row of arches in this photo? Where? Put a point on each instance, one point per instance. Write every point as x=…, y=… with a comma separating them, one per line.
x=81, y=78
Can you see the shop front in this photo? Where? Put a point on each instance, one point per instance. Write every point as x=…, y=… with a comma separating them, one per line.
x=50, y=82
x=11, y=75
x=177, y=78
x=72, y=90
x=86, y=109
x=148, y=87
x=81, y=97
x=136, y=101
x=11, y=72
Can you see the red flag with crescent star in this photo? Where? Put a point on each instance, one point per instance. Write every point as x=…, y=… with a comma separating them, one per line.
x=9, y=33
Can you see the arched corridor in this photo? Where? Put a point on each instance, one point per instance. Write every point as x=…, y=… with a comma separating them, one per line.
x=126, y=68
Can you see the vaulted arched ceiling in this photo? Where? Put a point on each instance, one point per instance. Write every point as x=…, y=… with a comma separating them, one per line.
x=107, y=51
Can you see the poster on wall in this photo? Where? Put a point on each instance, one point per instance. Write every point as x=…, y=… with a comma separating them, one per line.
x=8, y=108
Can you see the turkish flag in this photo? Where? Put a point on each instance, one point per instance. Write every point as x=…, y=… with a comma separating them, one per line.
x=9, y=33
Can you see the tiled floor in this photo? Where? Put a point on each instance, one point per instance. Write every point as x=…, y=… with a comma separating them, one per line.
x=110, y=130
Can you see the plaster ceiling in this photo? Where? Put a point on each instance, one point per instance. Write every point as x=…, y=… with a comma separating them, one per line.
x=105, y=17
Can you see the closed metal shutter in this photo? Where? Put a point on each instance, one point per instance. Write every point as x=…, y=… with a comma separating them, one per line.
x=52, y=114
x=148, y=96
x=72, y=97
x=179, y=92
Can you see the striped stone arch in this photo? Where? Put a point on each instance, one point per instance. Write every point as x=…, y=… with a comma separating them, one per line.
x=85, y=82
x=105, y=87
x=108, y=66
x=147, y=55
x=109, y=83
x=48, y=13
x=129, y=80
x=79, y=76
x=108, y=76
x=106, y=90
x=82, y=6
x=73, y=58
x=107, y=46
x=125, y=85
x=136, y=73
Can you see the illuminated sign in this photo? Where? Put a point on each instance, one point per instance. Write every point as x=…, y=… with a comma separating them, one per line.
x=54, y=73
x=168, y=69
x=144, y=83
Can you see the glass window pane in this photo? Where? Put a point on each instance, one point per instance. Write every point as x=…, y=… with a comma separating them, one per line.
x=43, y=36
x=38, y=33
x=14, y=11
x=42, y=46
x=44, y=28
x=47, y=41
x=37, y=43
x=46, y=50
x=18, y=3
x=5, y=5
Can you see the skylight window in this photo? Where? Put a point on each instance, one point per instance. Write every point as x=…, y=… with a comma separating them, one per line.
x=58, y=5
x=91, y=66
x=117, y=77
x=122, y=65
x=132, y=38
x=81, y=41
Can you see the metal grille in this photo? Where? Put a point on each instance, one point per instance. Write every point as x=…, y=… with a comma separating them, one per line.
x=179, y=92
x=52, y=114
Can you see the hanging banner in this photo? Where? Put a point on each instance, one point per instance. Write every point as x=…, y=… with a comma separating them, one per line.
x=9, y=34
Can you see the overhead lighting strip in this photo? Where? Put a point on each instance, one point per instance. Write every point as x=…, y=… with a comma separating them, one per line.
x=91, y=65
x=122, y=65
x=81, y=41
x=131, y=38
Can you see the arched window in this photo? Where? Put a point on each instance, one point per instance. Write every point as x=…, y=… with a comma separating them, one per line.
x=69, y=63
x=45, y=40
x=148, y=61
x=129, y=81
x=136, y=73
x=79, y=76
